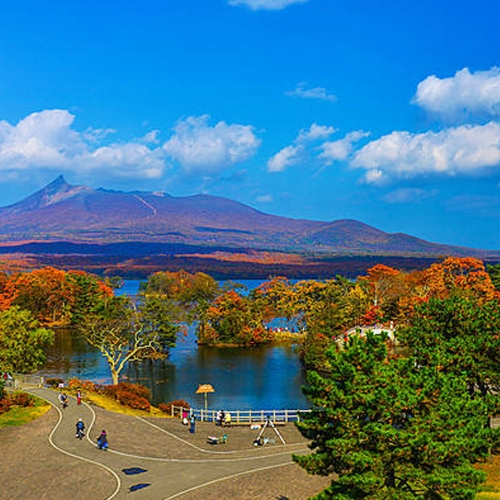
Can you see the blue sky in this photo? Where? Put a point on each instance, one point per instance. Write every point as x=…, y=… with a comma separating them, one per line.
x=385, y=112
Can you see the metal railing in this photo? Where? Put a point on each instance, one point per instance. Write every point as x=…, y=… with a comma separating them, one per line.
x=239, y=417
x=21, y=380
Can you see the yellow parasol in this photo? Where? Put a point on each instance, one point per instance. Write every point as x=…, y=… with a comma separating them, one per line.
x=205, y=389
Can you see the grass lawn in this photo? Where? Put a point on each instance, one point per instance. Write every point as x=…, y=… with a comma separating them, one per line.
x=491, y=489
x=18, y=415
x=111, y=404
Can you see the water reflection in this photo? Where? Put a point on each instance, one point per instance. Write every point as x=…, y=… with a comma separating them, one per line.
x=262, y=378
x=267, y=377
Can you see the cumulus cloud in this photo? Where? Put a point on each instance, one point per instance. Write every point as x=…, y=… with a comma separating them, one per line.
x=341, y=149
x=315, y=132
x=283, y=159
x=298, y=151
x=131, y=160
x=462, y=97
x=308, y=142
x=266, y=4
x=302, y=91
x=46, y=140
x=459, y=150
x=200, y=148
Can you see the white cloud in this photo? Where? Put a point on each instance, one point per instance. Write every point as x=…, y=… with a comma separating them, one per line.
x=266, y=4
x=312, y=93
x=464, y=96
x=46, y=140
x=131, y=160
x=303, y=149
x=458, y=150
x=315, y=132
x=97, y=134
x=200, y=148
x=341, y=149
x=283, y=159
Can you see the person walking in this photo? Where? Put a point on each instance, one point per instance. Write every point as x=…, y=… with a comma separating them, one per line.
x=80, y=429
x=192, y=424
x=63, y=399
x=78, y=398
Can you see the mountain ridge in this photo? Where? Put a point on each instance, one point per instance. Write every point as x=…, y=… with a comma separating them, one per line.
x=83, y=215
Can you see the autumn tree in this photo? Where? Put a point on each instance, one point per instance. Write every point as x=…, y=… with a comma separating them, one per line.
x=460, y=276
x=233, y=319
x=384, y=286
x=188, y=295
x=22, y=341
x=46, y=293
x=392, y=429
x=275, y=298
x=123, y=333
x=55, y=297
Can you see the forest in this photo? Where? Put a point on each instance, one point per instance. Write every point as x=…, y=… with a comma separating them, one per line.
x=403, y=367
x=314, y=313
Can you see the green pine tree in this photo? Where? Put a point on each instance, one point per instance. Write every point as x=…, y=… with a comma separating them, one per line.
x=391, y=429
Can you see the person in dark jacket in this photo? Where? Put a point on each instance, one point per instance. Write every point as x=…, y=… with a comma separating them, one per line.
x=80, y=429
x=102, y=441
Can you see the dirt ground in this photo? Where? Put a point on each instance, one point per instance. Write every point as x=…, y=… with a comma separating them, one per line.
x=32, y=469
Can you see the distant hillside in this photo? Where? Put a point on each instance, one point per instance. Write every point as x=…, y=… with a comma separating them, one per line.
x=79, y=215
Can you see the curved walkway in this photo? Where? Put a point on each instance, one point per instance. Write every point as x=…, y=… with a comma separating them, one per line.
x=170, y=463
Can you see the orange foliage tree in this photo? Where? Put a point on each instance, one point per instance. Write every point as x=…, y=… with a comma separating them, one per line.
x=54, y=297
x=462, y=276
x=232, y=319
x=275, y=298
x=384, y=286
x=46, y=293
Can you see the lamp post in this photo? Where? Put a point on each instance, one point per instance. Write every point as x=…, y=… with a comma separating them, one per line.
x=205, y=389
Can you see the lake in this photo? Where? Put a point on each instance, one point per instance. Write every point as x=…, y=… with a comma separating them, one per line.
x=261, y=378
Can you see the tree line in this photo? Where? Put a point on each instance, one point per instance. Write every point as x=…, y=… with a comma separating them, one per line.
x=389, y=421
x=317, y=311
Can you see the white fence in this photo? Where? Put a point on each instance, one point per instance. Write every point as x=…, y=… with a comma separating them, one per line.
x=17, y=381
x=239, y=417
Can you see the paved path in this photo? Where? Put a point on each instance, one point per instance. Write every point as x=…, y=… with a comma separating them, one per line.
x=175, y=463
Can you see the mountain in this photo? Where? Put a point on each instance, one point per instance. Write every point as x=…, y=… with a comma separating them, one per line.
x=81, y=215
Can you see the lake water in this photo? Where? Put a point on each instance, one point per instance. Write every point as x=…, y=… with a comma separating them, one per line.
x=261, y=378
